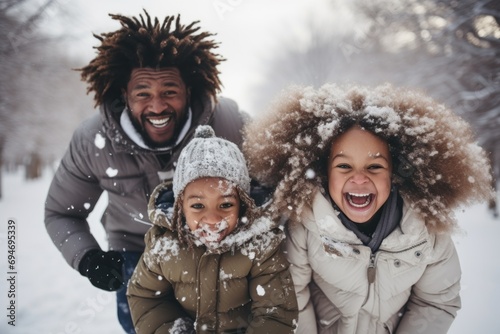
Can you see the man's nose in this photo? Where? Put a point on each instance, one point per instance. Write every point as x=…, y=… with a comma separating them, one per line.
x=157, y=105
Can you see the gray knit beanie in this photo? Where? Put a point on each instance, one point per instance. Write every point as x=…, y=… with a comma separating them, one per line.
x=209, y=156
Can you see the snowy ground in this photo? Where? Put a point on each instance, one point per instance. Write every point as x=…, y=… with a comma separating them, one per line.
x=51, y=298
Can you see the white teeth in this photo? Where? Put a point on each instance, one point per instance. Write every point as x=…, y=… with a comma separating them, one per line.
x=159, y=123
x=358, y=195
x=365, y=204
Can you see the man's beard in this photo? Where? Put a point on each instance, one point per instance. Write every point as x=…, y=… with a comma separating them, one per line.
x=179, y=124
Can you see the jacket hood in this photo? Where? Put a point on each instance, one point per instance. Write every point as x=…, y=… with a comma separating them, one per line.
x=161, y=208
x=437, y=164
x=202, y=109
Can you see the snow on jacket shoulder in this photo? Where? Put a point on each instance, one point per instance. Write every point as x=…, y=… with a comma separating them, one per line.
x=101, y=158
x=415, y=286
x=245, y=285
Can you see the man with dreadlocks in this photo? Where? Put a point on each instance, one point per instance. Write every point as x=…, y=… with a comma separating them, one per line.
x=154, y=82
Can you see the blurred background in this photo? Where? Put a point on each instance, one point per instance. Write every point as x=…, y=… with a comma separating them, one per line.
x=448, y=48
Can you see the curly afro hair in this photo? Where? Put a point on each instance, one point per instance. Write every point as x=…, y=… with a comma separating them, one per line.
x=437, y=164
x=142, y=43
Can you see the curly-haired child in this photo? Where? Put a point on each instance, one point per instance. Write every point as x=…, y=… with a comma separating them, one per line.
x=368, y=179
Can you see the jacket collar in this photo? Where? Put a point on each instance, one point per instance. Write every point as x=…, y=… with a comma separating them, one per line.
x=241, y=237
x=136, y=137
x=323, y=219
x=111, y=111
x=244, y=232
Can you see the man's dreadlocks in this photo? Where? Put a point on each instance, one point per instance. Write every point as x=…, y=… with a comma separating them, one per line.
x=140, y=43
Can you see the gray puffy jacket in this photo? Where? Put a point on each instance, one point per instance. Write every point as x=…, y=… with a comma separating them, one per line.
x=101, y=157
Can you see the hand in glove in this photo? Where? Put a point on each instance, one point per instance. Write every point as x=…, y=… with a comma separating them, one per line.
x=183, y=325
x=103, y=269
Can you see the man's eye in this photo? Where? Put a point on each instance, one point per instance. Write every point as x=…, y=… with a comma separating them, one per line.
x=169, y=92
x=141, y=95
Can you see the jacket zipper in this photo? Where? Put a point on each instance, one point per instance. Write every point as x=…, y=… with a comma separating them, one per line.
x=371, y=269
x=370, y=273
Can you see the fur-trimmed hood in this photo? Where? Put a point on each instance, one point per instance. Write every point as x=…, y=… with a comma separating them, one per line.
x=437, y=164
x=256, y=226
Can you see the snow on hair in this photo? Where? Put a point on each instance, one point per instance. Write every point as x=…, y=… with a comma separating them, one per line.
x=437, y=164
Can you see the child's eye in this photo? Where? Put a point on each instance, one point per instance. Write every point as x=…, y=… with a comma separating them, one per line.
x=373, y=167
x=343, y=166
x=226, y=205
x=197, y=206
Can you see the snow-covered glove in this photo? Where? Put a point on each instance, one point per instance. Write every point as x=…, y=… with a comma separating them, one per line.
x=183, y=326
x=103, y=269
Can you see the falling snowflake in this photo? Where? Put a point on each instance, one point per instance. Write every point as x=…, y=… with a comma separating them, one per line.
x=111, y=172
x=99, y=141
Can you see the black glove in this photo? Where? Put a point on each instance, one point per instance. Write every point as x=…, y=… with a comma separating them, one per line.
x=103, y=269
x=165, y=201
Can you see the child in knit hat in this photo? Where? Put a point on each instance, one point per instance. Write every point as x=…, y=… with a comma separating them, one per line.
x=368, y=179
x=212, y=263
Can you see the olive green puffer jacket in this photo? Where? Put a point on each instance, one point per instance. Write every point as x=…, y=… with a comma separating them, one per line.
x=243, y=287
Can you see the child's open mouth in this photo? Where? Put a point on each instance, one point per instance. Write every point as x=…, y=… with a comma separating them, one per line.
x=359, y=201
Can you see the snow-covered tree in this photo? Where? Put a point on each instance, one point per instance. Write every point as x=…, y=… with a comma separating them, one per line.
x=450, y=49
x=41, y=97
x=456, y=47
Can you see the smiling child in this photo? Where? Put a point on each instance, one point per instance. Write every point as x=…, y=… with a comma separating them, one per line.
x=368, y=179
x=213, y=262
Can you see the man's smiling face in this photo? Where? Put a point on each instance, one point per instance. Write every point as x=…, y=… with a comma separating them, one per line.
x=158, y=102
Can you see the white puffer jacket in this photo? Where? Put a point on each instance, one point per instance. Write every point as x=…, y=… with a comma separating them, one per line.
x=410, y=285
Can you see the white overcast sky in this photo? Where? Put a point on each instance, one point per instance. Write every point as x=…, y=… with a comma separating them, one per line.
x=248, y=30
